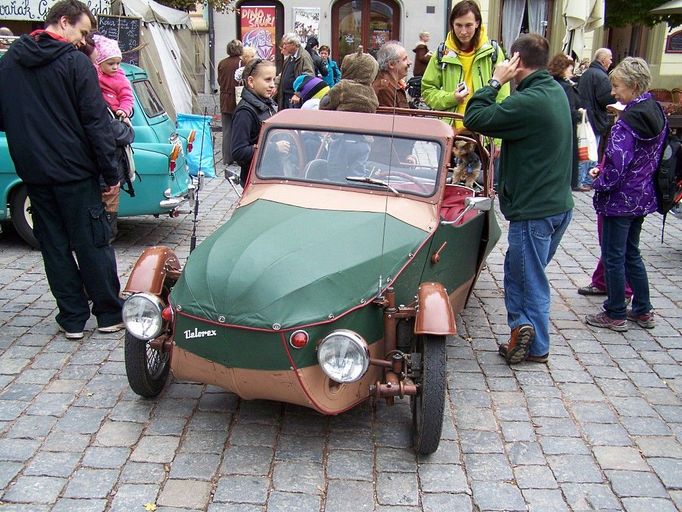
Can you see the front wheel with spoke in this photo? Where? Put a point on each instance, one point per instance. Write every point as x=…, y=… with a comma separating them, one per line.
x=428, y=405
x=146, y=367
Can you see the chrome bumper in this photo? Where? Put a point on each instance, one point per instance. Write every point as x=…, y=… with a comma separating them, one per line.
x=173, y=203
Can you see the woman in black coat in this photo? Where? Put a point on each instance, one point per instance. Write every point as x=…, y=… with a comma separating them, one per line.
x=561, y=68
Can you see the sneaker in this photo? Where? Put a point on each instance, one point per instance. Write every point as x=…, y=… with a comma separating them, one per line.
x=516, y=349
x=604, y=320
x=72, y=335
x=112, y=328
x=590, y=289
x=538, y=359
x=646, y=320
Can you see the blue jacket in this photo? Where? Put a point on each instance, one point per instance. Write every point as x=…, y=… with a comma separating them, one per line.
x=625, y=186
x=333, y=73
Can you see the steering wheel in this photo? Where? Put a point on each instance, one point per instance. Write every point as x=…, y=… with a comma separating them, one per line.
x=421, y=186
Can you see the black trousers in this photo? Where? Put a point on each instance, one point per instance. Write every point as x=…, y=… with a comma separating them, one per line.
x=69, y=218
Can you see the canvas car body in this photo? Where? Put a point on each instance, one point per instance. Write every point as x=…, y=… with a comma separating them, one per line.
x=163, y=184
x=336, y=279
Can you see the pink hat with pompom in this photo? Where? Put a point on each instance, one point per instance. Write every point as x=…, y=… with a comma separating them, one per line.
x=106, y=48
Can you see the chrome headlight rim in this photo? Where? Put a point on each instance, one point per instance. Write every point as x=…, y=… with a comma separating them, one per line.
x=157, y=308
x=356, y=341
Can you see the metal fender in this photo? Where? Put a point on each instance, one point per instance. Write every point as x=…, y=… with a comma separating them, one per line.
x=151, y=269
x=434, y=313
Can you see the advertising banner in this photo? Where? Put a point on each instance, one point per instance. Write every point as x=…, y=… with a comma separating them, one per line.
x=307, y=23
x=258, y=29
x=35, y=10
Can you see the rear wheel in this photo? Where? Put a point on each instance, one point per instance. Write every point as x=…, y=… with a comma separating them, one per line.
x=21, y=216
x=428, y=405
x=146, y=367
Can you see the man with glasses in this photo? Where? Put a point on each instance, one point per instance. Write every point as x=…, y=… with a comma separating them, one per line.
x=297, y=61
x=60, y=139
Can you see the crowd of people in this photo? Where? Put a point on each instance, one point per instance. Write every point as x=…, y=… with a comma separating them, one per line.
x=468, y=74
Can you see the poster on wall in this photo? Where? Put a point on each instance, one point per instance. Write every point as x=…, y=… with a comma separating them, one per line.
x=307, y=23
x=258, y=29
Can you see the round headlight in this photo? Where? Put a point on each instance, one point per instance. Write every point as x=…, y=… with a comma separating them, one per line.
x=343, y=356
x=142, y=315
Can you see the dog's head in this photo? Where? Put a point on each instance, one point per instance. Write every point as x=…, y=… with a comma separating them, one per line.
x=462, y=148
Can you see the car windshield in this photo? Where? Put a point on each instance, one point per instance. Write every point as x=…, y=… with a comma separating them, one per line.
x=395, y=164
x=149, y=101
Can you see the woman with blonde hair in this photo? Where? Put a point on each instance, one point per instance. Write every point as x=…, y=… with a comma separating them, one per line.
x=625, y=194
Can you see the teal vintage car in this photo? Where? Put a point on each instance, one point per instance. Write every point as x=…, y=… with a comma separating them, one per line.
x=163, y=184
x=335, y=281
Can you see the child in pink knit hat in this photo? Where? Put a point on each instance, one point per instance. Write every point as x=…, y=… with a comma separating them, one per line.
x=112, y=80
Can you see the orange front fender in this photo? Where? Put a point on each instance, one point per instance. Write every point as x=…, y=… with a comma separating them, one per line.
x=434, y=313
x=151, y=270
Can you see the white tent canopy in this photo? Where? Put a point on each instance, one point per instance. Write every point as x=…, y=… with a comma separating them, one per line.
x=164, y=33
x=151, y=11
x=580, y=16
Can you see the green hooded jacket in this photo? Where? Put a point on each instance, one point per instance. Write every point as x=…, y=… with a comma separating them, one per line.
x=536, y=130
x=439, y=84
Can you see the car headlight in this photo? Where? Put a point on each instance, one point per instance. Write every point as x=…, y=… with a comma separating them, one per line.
x=142, y=316
x=343, y=356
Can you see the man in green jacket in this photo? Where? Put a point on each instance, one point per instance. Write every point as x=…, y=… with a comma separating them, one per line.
x=534, y=124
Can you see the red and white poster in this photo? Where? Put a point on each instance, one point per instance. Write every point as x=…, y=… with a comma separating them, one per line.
x=258, y=29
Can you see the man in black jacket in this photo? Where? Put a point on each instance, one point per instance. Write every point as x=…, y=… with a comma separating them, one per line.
x=60, y=140
x=595, y=90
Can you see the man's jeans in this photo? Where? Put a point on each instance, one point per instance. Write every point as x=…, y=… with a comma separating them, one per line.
x=532, y=244
x=622, y=259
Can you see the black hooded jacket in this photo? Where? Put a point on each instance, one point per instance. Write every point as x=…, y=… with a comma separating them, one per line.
x=595, y=91
x=52, y=110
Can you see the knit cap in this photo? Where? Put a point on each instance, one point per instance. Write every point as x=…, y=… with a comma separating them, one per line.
x=106, y=48
x=309, y=87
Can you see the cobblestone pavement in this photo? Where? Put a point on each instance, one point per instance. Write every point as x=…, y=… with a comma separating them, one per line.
x=600, y=427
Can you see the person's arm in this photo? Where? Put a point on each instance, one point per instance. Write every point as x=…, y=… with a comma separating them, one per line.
x=337, y=72
x=432, y=87
x=242, y=148
x=619, y=154
x=506, y=120
x=125, y=95
x=92, y=111
x=386, y=96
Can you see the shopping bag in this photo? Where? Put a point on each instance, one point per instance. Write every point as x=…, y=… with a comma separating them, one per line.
x=238, y=93
x=201, y=157
x=587, y=142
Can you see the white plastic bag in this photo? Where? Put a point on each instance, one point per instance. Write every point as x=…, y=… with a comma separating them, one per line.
x=587, y=142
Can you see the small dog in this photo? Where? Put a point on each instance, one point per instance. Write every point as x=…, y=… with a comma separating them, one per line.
x=467, y=162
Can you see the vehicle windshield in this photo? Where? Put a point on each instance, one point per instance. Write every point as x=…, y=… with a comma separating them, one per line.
x=379, y=162
x=149, y=101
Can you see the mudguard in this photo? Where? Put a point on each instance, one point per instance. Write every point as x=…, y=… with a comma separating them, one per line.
x=434, y=315
x=151, y=270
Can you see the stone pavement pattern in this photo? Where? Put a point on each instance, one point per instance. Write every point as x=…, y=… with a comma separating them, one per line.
x=599, y=428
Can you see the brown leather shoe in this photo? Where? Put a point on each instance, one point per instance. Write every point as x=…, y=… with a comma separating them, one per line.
x=516, y=349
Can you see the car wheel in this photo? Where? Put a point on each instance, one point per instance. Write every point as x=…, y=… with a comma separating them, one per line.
x=146, y=367
x=21, y=216
x=429, y=365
